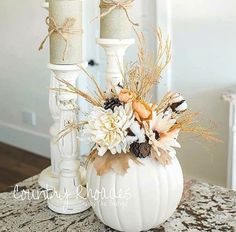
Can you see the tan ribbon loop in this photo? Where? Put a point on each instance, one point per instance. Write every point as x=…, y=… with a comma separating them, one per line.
x=63, y=31
x=112, y=5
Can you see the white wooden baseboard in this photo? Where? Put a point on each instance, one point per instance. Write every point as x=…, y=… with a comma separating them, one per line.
x=26, y=139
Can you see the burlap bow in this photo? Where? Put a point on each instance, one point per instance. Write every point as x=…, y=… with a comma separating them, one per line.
x=64, y=30
x=112, y=5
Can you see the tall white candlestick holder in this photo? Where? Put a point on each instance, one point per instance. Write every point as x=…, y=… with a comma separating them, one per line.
x=115, y=50
x=48, y=178
x=70, y=196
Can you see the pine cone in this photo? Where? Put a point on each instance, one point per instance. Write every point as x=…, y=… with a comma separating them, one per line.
x=140, y=150
x=112, y=103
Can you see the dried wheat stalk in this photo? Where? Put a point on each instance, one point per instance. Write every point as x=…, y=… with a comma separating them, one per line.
x=142, y=75
x=72, y=89
x=187, y=122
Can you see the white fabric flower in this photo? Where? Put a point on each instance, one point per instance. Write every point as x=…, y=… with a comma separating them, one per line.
x=167, y=140
x=108, y=129
x=138, y=132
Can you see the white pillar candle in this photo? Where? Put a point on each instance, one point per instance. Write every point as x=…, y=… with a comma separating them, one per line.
x=65, y=41
x=115, y=22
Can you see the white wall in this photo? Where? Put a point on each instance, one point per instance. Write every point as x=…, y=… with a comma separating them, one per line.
x=24, y=78
x=204, y=48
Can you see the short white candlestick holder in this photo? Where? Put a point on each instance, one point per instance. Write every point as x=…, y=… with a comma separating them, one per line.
x=70, y=196
x=115, y=50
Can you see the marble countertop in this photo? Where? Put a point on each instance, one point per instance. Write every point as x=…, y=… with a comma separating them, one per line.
x=203, y=208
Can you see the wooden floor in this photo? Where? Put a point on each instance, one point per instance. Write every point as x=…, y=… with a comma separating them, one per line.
x=17, y=165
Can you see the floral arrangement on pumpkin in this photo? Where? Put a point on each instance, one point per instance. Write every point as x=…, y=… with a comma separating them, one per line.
x=124, y=125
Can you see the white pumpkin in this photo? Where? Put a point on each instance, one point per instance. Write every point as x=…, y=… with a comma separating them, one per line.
x=145, y=197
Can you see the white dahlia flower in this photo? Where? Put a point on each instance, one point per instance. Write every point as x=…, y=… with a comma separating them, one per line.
x=108, y=129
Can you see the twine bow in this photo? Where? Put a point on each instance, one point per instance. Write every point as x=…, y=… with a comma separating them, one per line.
x=112, y=5
x=63, y=31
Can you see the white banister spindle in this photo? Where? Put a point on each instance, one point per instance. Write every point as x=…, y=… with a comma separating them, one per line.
x=66, y=198
x=48, y=178
x=231, y=169
x=115, y=50
x=55, y=128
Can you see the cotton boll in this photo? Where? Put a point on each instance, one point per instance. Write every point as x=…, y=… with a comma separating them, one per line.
x=178, y=104
x=182, y=107
x=138, y=132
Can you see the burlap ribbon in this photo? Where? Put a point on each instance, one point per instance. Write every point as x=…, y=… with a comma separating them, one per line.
x=114, y=4
x=63, y=30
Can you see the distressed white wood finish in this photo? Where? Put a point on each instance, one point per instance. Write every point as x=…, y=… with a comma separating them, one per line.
x=115, y=50
x=48, y=178
x=55, y=128
x=146, y=196
x=231, y=169
x=66, y=199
